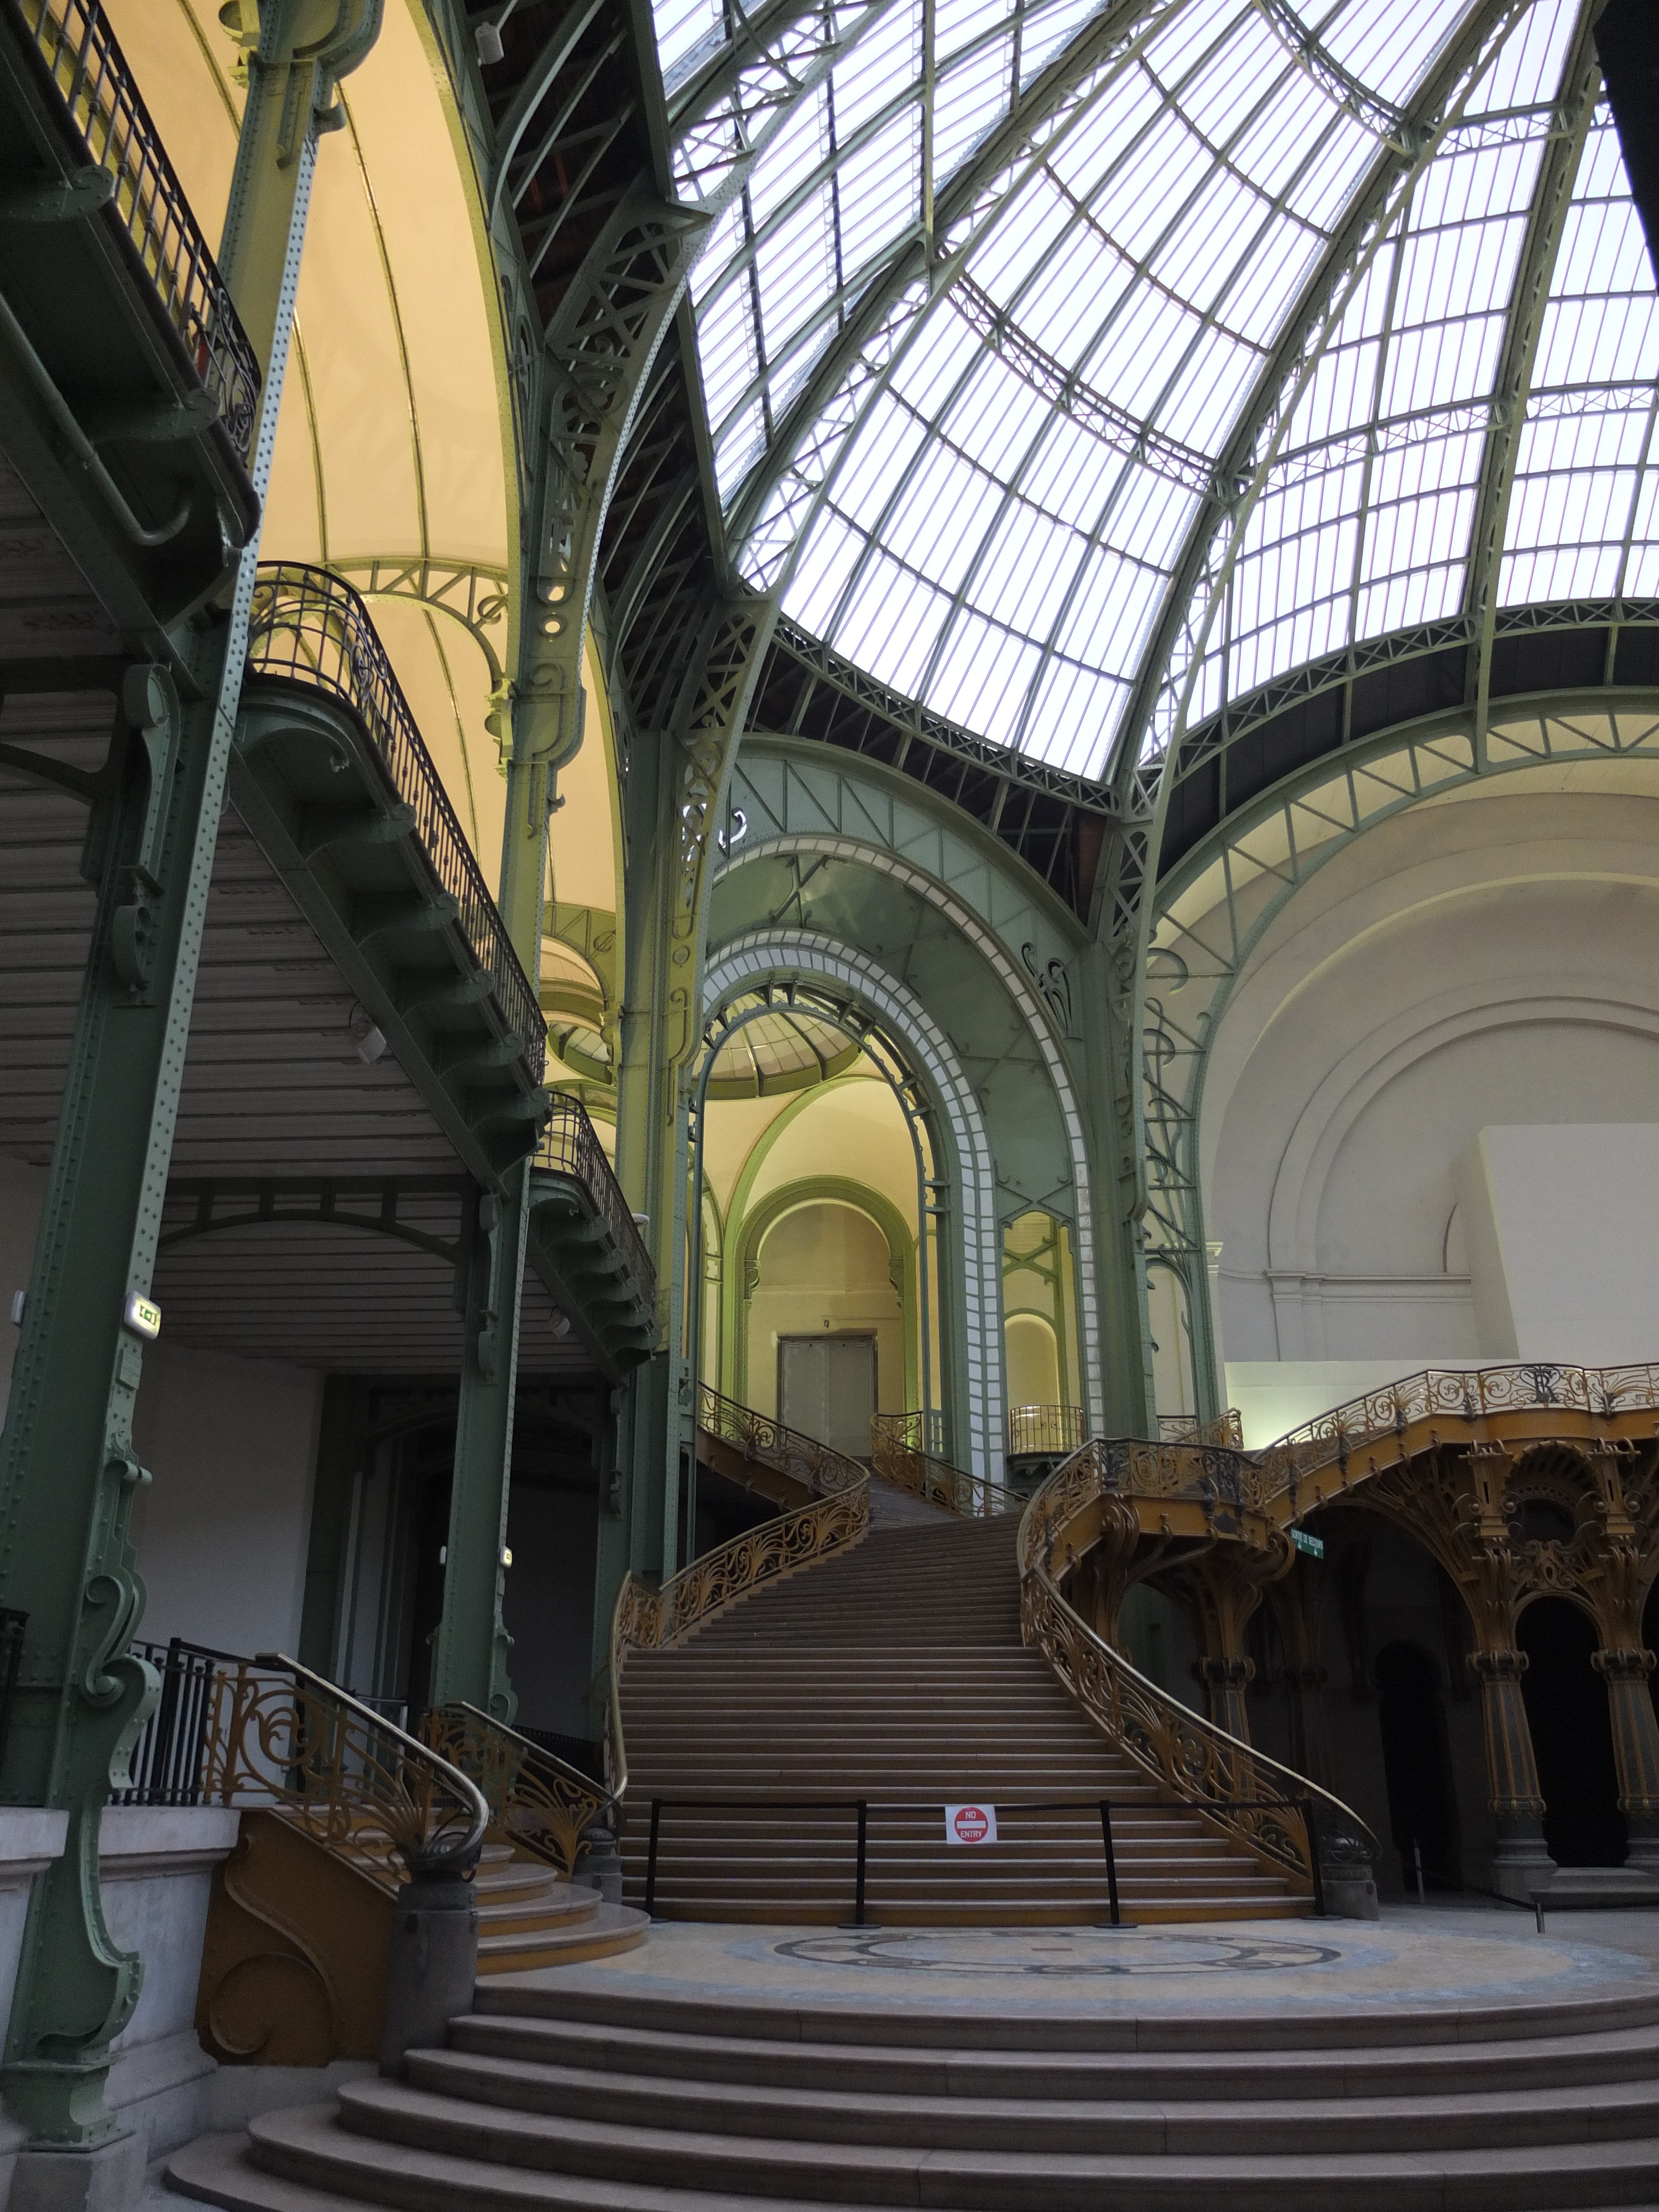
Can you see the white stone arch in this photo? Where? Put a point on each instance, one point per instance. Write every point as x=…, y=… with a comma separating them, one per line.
x=1018, y=988
x=758, y=954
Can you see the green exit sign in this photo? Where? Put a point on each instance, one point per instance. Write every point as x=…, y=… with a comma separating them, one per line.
x=1313, y=1546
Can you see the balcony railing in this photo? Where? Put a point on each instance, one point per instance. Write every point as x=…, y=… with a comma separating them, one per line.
x=570, y=1145
x=78, y=49
x=310, y=629
x=1041, y=1429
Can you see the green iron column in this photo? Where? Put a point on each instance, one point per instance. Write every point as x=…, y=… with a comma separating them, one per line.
x=68, y=1471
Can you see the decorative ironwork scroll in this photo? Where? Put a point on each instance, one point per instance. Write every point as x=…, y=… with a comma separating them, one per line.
x=898, y=1460
x=537, y=1803
x=1454, y=1395
x=647, y=1619
x=280, y=1736
x=821, y=1469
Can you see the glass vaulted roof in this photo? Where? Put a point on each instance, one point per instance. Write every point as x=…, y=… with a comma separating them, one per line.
x=1011, y=308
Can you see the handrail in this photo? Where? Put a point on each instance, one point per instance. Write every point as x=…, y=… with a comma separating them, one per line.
x=279, y=1735
x=309, y=627
x=1033, y=1429
x=1456, y=1393
x=1192, y=1760
x=570, y=1145
x=102, y=104
x=970, y=1496
x=646, y=1620
x=824, y=1471
x=535, y=1800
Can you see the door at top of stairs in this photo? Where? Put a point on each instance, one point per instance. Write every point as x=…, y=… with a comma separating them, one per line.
x=827, y=1389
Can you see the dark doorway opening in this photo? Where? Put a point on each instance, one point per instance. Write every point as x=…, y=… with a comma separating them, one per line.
x=1572, y=1735
x=1417, y=1765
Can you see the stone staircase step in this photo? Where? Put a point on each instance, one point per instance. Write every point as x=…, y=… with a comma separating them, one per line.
x=562, y=1940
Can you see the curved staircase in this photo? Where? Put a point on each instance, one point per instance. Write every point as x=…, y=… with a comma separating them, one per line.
x=894, y=1671
x=594, y=2100
x=527, y=1917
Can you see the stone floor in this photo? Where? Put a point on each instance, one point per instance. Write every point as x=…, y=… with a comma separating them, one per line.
x=1464, y=1952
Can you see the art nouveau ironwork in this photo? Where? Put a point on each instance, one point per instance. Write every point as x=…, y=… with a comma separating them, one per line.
x=536, y=1802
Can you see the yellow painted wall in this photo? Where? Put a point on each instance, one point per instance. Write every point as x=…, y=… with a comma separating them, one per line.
x=824, y=1267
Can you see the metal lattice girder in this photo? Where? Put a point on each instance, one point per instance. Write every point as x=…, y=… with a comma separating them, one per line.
x=770, y=512
x=722, y=111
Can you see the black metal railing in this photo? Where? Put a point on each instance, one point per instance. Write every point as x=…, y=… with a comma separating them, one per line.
x=570, y=1145
x=1047, y=1428
x=309, y=627
x=862, y=1808
x=169, y=1760
x=91, y=77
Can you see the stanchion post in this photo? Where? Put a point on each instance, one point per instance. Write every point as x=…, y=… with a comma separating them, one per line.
x=864, y=1840
x=1313, y=1857
x=651, y=1860
x=1111, y=1862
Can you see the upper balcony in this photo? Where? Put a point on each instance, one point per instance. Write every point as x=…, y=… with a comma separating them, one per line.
x=332, y=774
x=588, y=1244
x=129, y=392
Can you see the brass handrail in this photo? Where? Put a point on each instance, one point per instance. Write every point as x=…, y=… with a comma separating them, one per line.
x=919, y=1473
x=1454, y=1394
x=536, y=1801
x=819, y=1466
x=646, y=1620
x=90, y=75
x=1248, y=1795
x=279, y=1735
x=309, y=627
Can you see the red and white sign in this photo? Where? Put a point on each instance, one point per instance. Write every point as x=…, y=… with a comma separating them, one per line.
x=970, y=1824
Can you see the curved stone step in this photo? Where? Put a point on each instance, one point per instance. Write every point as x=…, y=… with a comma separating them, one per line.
x=599, y=1933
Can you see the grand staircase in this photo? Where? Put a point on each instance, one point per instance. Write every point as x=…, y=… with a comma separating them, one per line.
x=894, y=1672
x=555, y=2094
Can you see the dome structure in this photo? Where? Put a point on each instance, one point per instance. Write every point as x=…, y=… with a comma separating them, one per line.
x=1077, y=370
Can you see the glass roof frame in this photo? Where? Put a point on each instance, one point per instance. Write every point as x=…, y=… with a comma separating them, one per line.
x=1304, y=525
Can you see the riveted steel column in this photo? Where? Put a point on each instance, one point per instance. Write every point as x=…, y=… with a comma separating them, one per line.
x=68, y=1471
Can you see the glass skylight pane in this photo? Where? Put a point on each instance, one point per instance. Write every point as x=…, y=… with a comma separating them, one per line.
x=1071, y=717
x=893, y=621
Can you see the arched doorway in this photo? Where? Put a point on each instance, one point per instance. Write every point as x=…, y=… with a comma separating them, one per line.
x=1571, y=1735
x=1416, y=1764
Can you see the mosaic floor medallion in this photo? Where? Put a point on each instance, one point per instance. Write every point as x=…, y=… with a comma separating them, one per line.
x=1059, y=1954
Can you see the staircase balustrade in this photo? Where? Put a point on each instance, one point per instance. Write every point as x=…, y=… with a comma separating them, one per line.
x=537, y=1803
x=1226, y=1429
x=647, y=1619
x=1450, y=1394
x=817, y=1466
x=279, y=1737
x=898, y=1460
x=1279, y=1815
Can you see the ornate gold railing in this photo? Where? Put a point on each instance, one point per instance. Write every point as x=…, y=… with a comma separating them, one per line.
x=536, y=1801
x=1033, y=1429
x=1453, y=1395
x=1248, y=1796
x=646, y=1620
x=1226, y=1429
x=899, y=1462
x=823, y=1471
x=279, y=1737
x=1121, y=1466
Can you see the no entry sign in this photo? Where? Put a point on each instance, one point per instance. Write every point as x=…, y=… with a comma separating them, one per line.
x=970, y=1824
